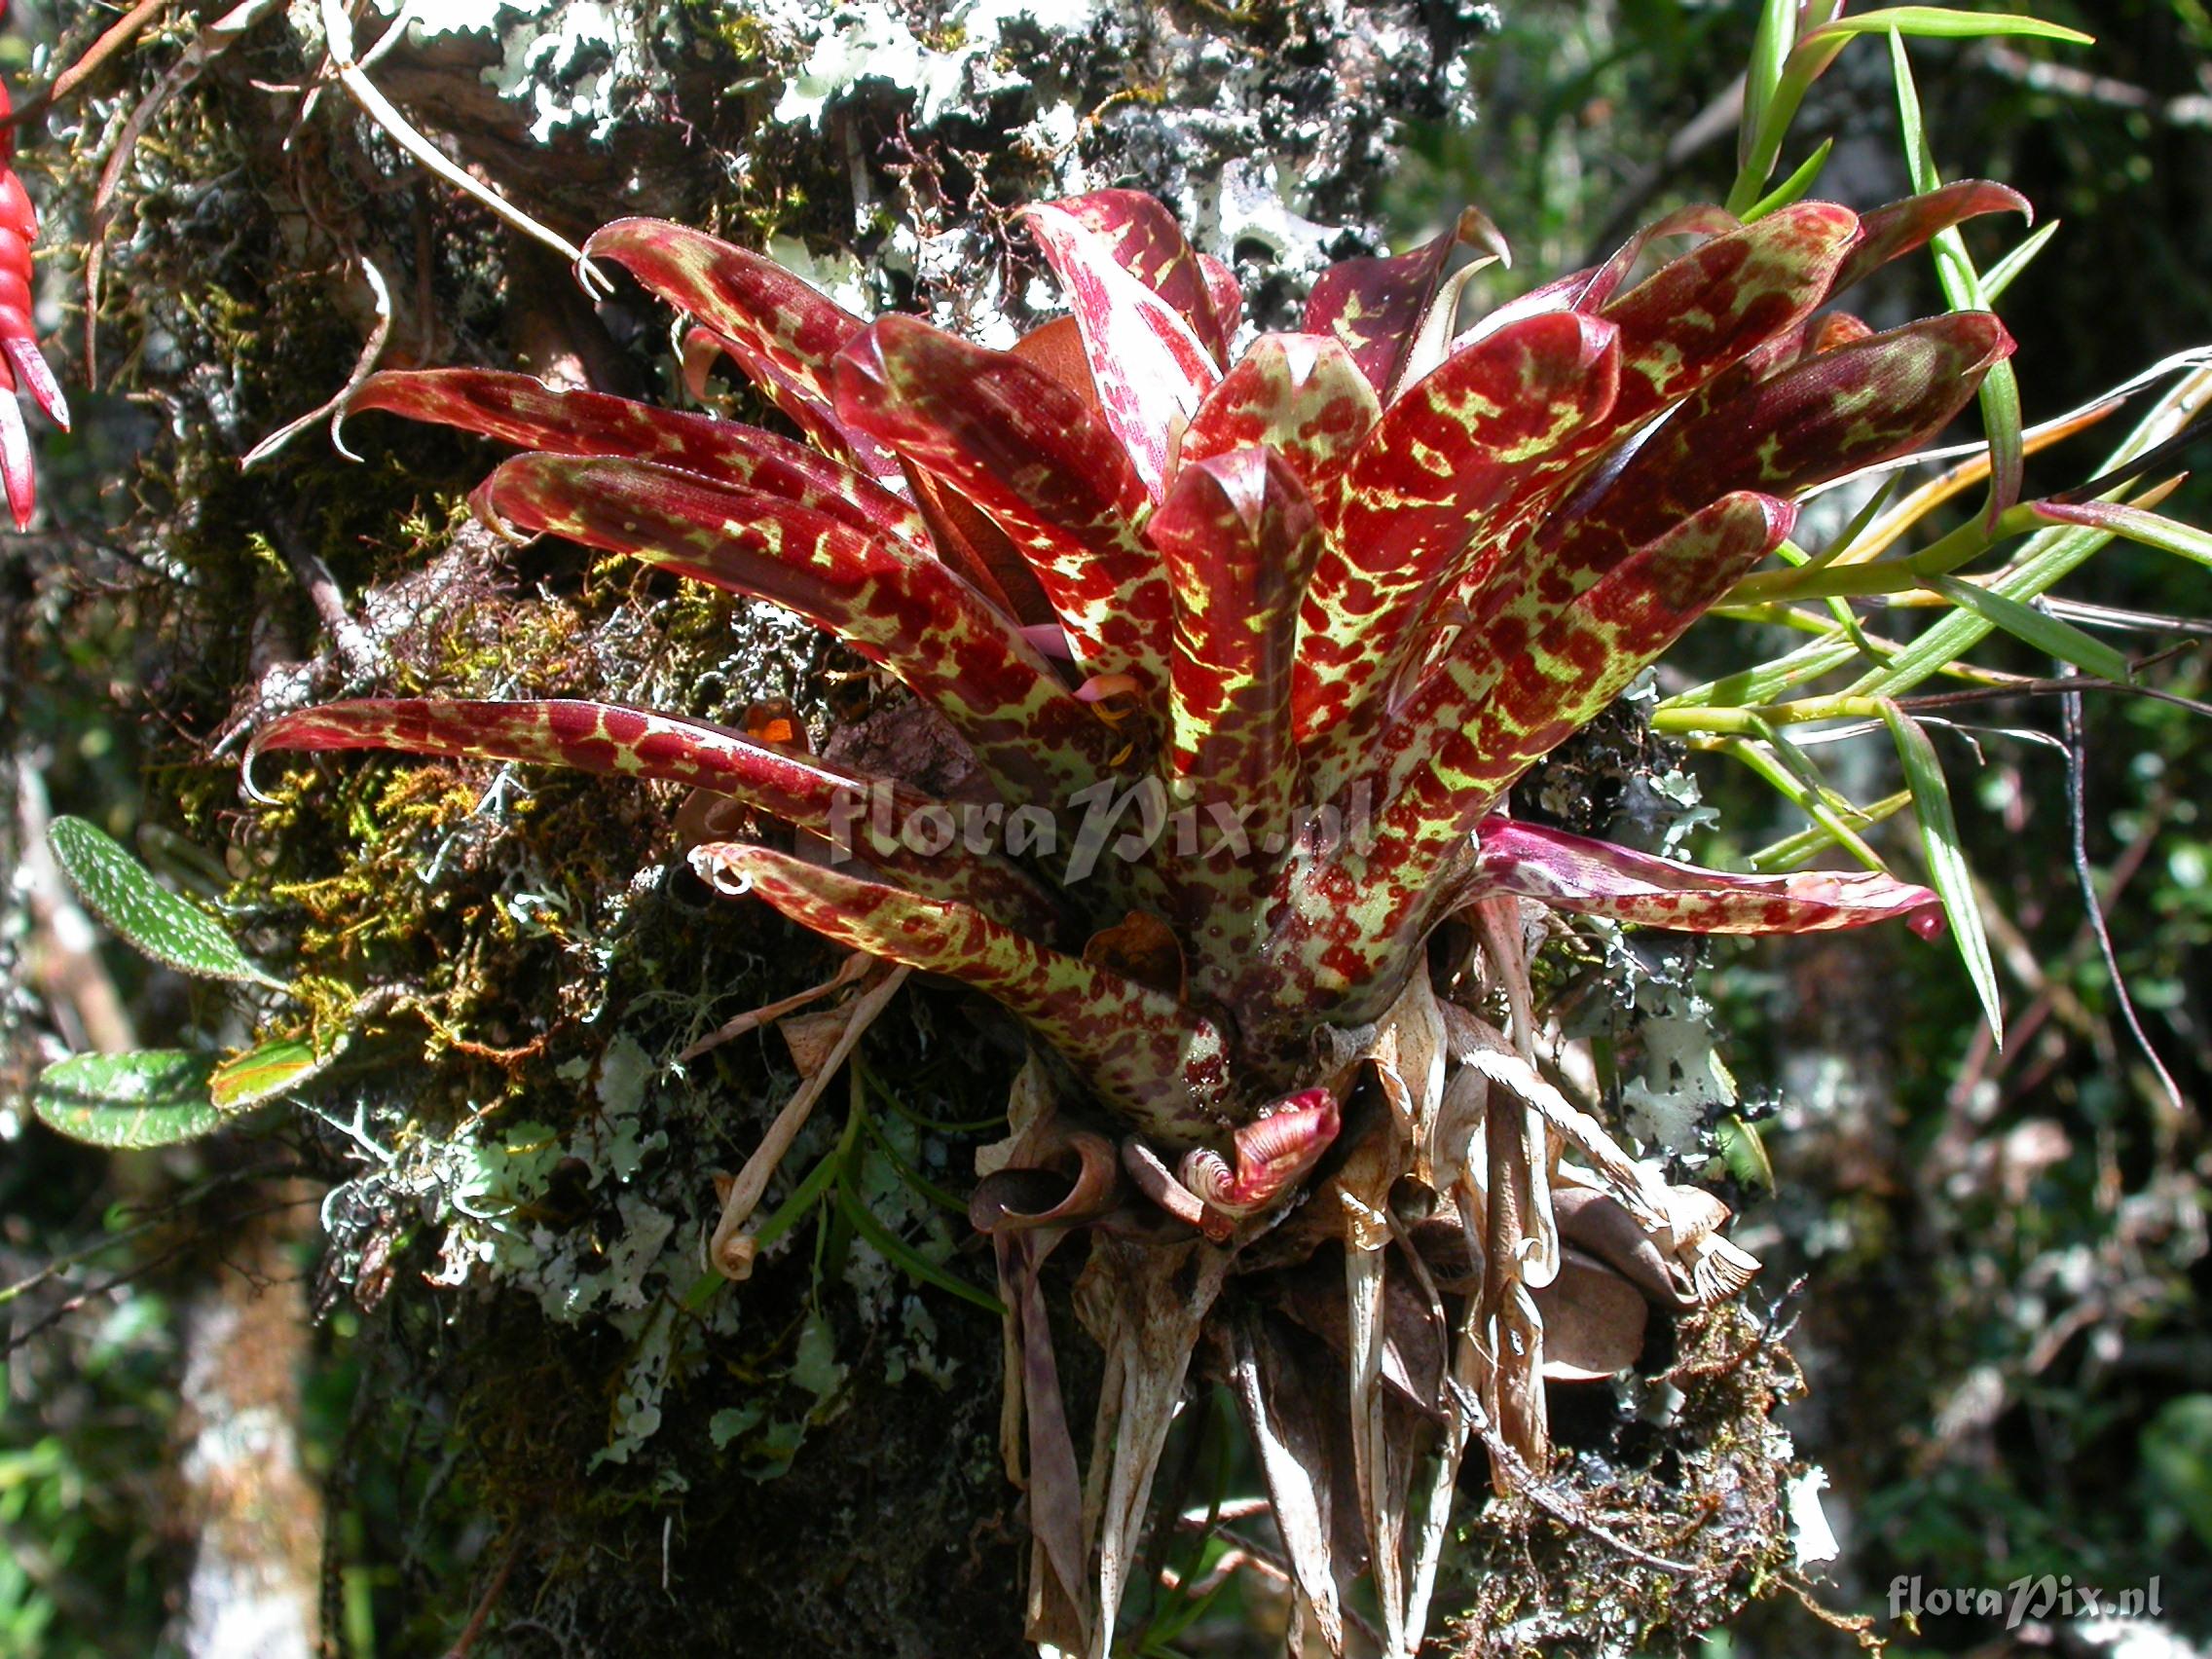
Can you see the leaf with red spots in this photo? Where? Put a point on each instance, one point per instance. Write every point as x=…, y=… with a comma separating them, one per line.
x=519, y=410
x=1029, y=451
x=832, y=802
x=891, y=603
x=1161, y=1065
x=1572, y=872
x=1143, y=237
x=780, y=330
x=1697, y=316
x=1822, y=418
x=1151, y=370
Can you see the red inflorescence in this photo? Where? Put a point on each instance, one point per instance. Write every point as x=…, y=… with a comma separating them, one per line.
x=22, y=368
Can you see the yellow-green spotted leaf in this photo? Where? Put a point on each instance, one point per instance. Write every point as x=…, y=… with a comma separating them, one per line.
x=153, y=1097
x=124, y=894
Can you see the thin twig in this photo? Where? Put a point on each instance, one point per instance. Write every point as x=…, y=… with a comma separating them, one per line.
x=338, y=32
x=335, y=405
x=2077, y=822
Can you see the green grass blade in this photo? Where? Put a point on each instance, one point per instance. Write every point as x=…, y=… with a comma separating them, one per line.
x=1943, y=23
x=2046, y=633
x=1947, y=871
x=1794, y=187
x=2135, y=523
x=2000, y=394
x=2000, y=277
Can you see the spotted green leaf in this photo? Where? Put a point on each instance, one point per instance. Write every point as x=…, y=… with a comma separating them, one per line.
x=124, y=894
x=152, y=1098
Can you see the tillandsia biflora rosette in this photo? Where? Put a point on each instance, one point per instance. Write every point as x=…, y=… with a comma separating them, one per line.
x=1248, y=649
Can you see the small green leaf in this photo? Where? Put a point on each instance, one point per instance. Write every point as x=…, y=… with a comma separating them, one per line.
x=2046, y=633
x=904, y=1257
x=2000, y=277
x=124, y=894
x=1792, y=187
x=153, y=1097
x=1947, y=871
x=1999, y=393
x=1745, y=1154
x=263, y=1073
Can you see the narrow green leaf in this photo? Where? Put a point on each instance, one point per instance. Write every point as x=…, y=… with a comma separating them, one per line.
x=1791, y=851
x=1771, y=42
x=265, y=1072
x=904, y=1256
x=2045, y=560
x=1789, y=773
x=152, y=1098
x=1941, y=22
x=1999, y=393
x=1999, y=276
x=124, y=894
x=2046, y=633
x=2136, y=524
x=1792, y=187
x=1947, y=871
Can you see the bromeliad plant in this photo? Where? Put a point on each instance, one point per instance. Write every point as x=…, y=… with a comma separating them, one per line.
x=1248, y=649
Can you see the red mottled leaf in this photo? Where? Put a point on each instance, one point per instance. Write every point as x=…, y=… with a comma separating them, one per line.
x=1299, y=395
x=1346, y=926
x=1029, y=452
x=17, y=468
x=36, y=377
x=1151, y=370
x=1895, y=230
x=1572, y=872
x=1376, y=306
x=1513, y=689
x=1822, y=417
x=1825, y=416
x=891, y=604
x=1147, y=242
x=780, y=330
x=829, y=801
x=1698, y=219
x=1695, y=316
x=1159, y=1063
x=1241, y=540
x=1228, y=297
x=1444, y=467
x=519, y=410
